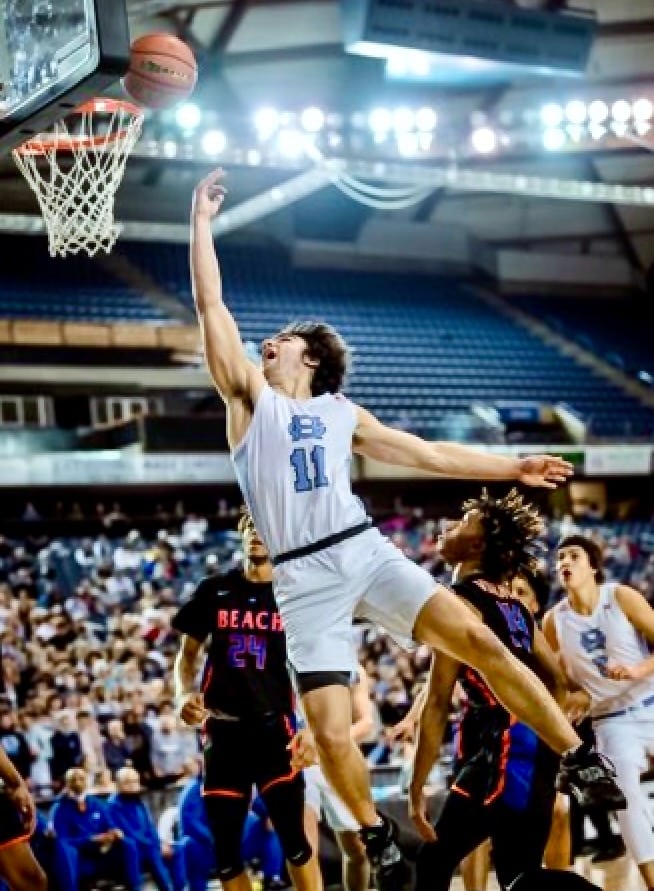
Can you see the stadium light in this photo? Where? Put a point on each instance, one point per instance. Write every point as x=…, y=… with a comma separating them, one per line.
x=214, y=142
x=554, y=139
x=291, y=143
x=484, y=140
x=598, y=111
x=267, y=120
x=575, y=111
x=642, y=109
x=408, y=63
x=621, y=111
x=407, y=144
x=575, y=132
x=597, y=131
x=312, y=119
x=188, y=116
x=551, y=115
x=380, y=120
x=403, y=120
x=426, y=119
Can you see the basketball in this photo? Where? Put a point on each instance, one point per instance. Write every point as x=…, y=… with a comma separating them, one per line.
x=162, y=71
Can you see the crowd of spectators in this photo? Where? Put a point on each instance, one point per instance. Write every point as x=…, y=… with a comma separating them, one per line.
x=87, y=652
x=87, y=645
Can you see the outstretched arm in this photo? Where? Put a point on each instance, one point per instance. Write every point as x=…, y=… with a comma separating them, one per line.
x=232, y=372
x=449, y=459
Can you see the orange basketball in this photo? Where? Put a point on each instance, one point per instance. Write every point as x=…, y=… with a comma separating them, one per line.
x=162, y=71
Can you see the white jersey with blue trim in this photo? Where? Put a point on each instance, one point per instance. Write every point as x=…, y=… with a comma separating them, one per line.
x=293, y=467
x=588, y=644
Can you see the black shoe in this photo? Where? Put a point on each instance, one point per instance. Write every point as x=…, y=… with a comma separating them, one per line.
x=589, y=777
x=611, y=851
x=390, y=871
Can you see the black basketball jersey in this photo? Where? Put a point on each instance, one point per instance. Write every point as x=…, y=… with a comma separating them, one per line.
x=245, y=671
x=484, y=733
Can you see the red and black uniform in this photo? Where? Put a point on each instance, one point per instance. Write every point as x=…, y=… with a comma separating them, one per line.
x=503, y=785
x=248, y=692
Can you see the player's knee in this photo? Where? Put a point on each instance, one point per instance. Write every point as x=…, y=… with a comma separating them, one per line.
x=333, y=742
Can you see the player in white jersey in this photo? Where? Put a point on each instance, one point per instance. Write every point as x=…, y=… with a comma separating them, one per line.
x=292, y=435
x=601, y=630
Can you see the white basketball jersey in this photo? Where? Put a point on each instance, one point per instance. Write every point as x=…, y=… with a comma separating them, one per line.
x=589, y=643
x=293, y=467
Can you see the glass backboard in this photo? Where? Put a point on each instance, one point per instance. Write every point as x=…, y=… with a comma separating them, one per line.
x=54, y=54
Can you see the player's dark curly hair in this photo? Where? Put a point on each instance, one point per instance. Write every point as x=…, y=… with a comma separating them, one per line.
x=511, y=528
x=326, y=345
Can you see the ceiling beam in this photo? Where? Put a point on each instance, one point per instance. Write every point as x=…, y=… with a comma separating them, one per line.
x=632, y=28
x=564, y=238
x=311, y=52
x=622, y=235
x=229, y=26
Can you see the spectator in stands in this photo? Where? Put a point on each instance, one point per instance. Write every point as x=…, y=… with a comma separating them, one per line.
x=30, y=513
x=199, y=852
x=94, y=845
x=38, y=735
x=66, y=747
x=53, y=857
x=129, y=555
x=115, y=748
x=138, y=738
x=171, y=749
x=164, y=862
x=13, y=741
x=194, y=530
x=91, y=742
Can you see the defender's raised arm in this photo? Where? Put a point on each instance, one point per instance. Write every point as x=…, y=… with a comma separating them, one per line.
x=233, y=374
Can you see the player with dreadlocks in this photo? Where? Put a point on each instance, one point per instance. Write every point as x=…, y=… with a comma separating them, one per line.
x=504, y=777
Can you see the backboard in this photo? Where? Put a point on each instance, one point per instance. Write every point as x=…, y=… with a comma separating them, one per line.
x=54, y=54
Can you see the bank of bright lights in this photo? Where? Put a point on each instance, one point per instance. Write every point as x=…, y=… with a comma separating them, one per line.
x=410, y=131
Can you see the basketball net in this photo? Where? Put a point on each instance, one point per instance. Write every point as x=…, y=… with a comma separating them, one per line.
x=75, y=170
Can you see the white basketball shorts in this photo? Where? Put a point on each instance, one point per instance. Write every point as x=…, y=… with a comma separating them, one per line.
x=318, y=596
x=321, y=798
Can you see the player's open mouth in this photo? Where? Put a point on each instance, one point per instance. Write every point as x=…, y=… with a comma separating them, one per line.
x=269, y=354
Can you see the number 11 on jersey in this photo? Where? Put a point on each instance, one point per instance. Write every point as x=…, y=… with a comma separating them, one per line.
x=306, y=477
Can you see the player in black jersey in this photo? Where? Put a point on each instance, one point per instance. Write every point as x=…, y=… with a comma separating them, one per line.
x=490, y=797
x=246, y=705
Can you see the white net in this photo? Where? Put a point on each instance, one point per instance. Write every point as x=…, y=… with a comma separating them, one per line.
x=75, y=170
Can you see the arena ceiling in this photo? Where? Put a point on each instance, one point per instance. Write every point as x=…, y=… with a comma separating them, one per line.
x=290, y=53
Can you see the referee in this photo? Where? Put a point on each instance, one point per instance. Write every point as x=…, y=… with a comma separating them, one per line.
x=246, y=705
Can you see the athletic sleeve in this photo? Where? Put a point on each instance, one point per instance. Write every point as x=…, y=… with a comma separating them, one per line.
x=195, y=617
